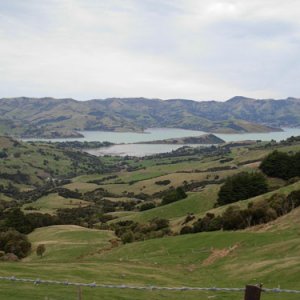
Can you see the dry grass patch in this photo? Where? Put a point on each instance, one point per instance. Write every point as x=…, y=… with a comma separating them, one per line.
x=81, y=186
x=217, y=254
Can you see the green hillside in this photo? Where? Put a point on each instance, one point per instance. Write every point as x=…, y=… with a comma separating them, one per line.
x=223, y=259
x=29, y=165
x=267, y=253
x=50, y=118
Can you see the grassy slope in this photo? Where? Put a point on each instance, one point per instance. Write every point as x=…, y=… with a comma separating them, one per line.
x=50, y=203
x=67, y=242
x=260, y=256
x=197, y=202
x=40, y=162
x=243, y=203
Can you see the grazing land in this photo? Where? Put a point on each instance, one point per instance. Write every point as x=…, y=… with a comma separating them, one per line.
x=103, y=220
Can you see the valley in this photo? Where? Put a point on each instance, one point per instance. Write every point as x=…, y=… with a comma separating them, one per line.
x=149, y=150
x=106, y=221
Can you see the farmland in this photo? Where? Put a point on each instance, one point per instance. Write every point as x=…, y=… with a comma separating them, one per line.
x=87, y=249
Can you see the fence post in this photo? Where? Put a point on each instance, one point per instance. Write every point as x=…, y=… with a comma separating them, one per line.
x=79, y=293
x=252, y=292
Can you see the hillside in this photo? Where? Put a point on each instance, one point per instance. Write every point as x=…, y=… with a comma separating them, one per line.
x=27, y=166
x=221, y=259
x=202, y=139
x=84, y=217
x=48, y=117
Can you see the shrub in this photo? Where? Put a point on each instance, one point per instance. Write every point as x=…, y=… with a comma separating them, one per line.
x=186, y=230
x=258, y=212
x=14, y=242
x=163, y=182
x=146, y=206
x=127, y=237
x=174, y=195
x=159, y=223
x=40, y=250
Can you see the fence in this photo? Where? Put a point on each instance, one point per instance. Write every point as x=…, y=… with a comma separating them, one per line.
x=251, y=292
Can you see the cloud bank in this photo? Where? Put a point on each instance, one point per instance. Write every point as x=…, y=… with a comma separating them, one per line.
x=208, y=49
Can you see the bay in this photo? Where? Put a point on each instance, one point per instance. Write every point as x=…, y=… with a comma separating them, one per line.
x=148, y=135
x=266, y=136
x=125, y=140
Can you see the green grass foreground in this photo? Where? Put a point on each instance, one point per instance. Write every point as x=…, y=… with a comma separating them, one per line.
x=222, y=259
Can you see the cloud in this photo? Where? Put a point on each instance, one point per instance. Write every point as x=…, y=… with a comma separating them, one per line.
x=166, y=49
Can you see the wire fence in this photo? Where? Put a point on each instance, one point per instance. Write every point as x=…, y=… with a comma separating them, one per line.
x=134, y=287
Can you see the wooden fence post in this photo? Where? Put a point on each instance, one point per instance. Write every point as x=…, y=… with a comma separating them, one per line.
x=79, y=293
x=252, y=292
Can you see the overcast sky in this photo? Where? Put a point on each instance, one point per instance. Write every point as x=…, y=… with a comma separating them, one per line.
x=191, y=49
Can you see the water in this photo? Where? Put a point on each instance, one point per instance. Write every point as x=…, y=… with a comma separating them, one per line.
x=153, y=134
x=148, y=135
x=135, y=149
x=267, y=136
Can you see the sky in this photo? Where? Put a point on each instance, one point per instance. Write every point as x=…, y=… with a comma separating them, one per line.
x=187, y=49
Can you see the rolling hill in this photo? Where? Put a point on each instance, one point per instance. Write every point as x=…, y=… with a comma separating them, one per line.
x=222, y=259
x=267, y=253
x=48, y=117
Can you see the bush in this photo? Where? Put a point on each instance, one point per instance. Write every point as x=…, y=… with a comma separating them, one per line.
x=3, y=154
x=163, y=182
x=258, y=212
x=40, y=250
x=146, y=206
x=130, y=231
x=208, y=223
x=159, y=223
x=14, y=242
x=186, y=230
x=127, y=237
x=174, y=195
x=242, y=186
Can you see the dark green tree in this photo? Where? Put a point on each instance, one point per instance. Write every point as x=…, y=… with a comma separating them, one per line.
x=12, y=241
x=279, y=164
x=242, y=186
x=174, y=195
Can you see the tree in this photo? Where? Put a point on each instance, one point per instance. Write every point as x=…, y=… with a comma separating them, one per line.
x=16, y=219
x=12, y=241
x=242, y=186
x=281, y=165
x=127, y=237
x=40, y=250
x=146, y=206
x=174, y=195
x=278, y=164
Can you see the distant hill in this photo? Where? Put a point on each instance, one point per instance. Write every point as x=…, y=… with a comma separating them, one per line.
x=202, y=139
x=48, y=117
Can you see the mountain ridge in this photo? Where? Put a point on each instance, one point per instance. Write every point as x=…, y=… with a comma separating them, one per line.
x=52, y=117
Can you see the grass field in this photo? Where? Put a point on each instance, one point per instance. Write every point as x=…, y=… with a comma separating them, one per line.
x=81, y=187
x=50, y=203
x=223, y=259
x=195, y=203
x=267, y=254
